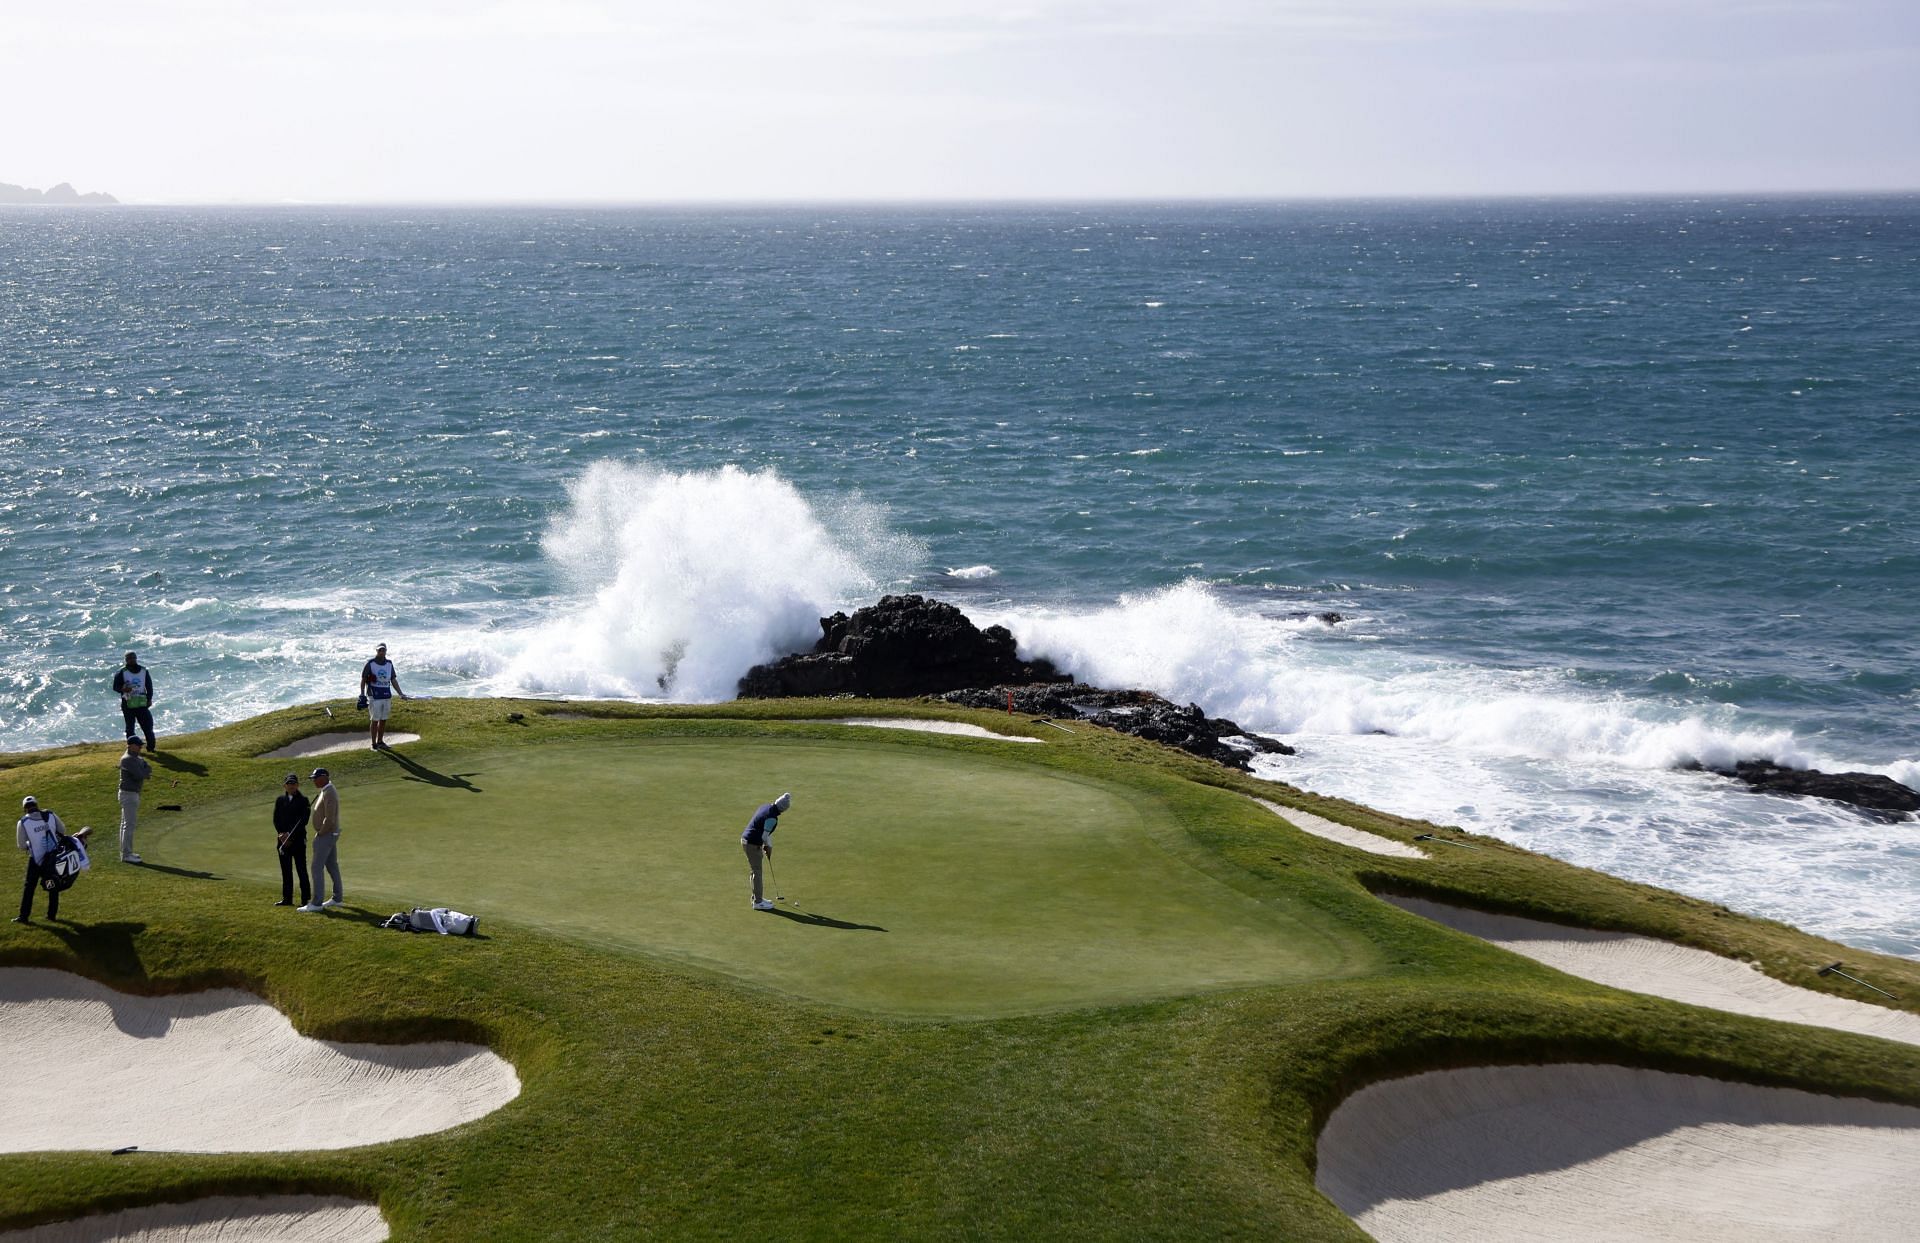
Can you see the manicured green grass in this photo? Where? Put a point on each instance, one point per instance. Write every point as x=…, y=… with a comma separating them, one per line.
x=938, y=881
x=677, y=1085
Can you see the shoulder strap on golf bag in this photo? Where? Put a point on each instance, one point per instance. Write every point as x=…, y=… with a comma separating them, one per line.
x=61, y=867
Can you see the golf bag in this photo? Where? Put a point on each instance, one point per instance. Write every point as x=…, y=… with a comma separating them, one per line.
x=63, y=864
x=436, y=919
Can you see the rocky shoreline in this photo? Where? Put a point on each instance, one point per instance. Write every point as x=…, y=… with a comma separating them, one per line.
x=907, y=646
x=1880, y=797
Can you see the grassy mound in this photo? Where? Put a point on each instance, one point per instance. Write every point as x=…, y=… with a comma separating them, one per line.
x=1114, y=997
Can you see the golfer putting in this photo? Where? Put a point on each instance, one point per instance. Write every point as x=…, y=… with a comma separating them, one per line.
x=757, y=841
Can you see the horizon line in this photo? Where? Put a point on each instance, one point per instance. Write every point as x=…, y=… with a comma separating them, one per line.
x=1040, y=200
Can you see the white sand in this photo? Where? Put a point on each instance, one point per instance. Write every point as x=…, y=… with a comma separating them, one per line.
x=327, y=744
x=924, y=725
x=1359, y=839
x=1680, y=973
x=1606, y=1153
x=218, y=1071
x=223, y=1219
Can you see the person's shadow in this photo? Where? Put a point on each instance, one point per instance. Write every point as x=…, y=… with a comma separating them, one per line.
x=416, y=771
x=167, y=760
x=822, y=921
x=172, y=871
x=113, y=947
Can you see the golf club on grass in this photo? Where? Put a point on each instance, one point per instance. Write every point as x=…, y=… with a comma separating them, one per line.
x=1834, y=969
x=1428, y=837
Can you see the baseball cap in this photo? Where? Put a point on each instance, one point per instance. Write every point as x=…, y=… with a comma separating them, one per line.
x=293, y=779
x=321, y=772
x=29, y=801
x=783, y=802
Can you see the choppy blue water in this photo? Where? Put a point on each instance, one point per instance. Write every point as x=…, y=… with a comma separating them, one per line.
x=1604, y=487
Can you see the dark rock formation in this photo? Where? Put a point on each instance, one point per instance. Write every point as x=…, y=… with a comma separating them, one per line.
x=1870, y=792
x=1140, y=713
x=909, y=645
x=901, y=647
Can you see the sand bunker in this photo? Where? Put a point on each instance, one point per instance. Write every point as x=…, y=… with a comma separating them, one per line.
x=1604, y=1152
x=1640, y=964
x=218, y=1071
x=1359, y=839
x=328, y=744
x=925, y=726
x=225, y=1219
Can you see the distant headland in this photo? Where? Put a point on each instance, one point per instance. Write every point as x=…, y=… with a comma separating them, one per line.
x=64, y=193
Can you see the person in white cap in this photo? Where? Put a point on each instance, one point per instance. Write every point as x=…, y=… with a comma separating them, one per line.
x=38, y=833
x=757, y=841
x=326, y=842
x=379, y=683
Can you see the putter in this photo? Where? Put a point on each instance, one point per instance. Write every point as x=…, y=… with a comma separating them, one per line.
x=1428, y=837
x=775, y=885
x=1834, y=969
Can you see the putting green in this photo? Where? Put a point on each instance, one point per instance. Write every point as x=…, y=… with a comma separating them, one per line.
x=930, y=880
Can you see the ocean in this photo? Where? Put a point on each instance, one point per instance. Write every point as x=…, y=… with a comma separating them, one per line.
x=1601, y=488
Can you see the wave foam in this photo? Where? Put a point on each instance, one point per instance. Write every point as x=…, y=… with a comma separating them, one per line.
x=1281, y=676
x=685, y=580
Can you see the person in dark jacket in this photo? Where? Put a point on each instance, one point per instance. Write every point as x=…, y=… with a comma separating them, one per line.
x=757, y=841
x=134, y=684
x=291, y=811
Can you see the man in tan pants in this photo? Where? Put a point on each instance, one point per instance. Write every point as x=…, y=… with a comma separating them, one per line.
x=757, y=841
x=326, y=842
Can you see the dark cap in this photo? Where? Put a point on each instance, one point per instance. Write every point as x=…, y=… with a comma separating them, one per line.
x=293, y=779
x=321, y=772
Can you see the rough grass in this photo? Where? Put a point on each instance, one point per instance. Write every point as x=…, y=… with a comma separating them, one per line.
x=669, y=1099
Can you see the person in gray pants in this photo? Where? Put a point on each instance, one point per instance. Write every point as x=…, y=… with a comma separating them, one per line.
x=134, y=771
x=326, y=842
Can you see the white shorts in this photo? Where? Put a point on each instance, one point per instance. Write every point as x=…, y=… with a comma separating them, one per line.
x=379, y=709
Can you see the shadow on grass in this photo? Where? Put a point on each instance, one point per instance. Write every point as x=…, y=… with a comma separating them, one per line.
x=822, y=921
x=174, y=763
x=110, y=946
x=416, y=771
x=189, y=873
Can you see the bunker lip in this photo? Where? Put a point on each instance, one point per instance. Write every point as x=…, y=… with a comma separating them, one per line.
x=220, y=1071
x=330, y=744
x=1358, y=839
x=1642, y=964
x=220, y=1219
x=1608, y=1152
x=926, y=725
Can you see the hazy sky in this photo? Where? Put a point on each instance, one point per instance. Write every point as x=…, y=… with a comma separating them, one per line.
x=566, y=100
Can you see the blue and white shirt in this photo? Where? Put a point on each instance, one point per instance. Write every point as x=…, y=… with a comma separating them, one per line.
x=760, y=828
x=39, y=832
x=378, y=677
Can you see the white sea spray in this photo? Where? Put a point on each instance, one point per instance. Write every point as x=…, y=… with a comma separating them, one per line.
x=685, y=579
